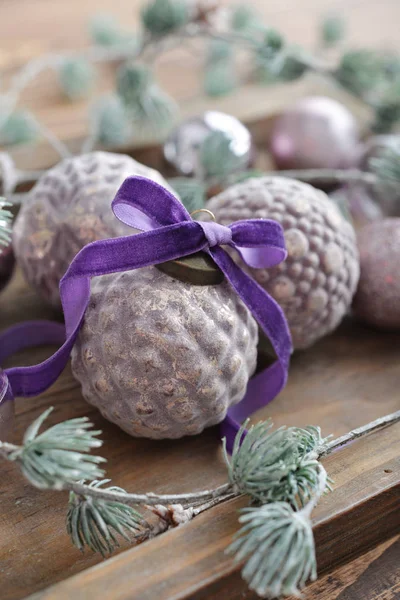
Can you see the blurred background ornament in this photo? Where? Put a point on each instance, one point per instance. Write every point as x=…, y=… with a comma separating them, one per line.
x=68, y=208
x=358, y=204
x=315, y=132
x=316, y=283
x=377, y=299
x=162, y=358
x=184, y=147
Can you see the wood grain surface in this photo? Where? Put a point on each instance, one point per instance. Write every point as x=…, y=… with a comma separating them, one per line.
x=344, y=381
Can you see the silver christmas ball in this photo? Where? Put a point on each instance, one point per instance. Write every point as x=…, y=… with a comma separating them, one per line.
x=182, y=148
x=316, y=283
x=69, y=207
x=377, y=299
x=315, y=133
x=162, y=358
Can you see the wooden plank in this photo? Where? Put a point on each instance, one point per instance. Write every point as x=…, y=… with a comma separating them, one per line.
x=340, y=383
x=190, y=560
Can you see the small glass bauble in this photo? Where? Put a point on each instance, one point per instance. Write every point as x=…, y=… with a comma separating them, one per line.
x=182, y=148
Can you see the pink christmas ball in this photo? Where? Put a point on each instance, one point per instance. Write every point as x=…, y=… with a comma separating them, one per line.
x=315, y=133
x=377, y=301
x=7, y=262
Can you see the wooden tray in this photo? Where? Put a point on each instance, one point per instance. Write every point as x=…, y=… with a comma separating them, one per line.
x=344, y=381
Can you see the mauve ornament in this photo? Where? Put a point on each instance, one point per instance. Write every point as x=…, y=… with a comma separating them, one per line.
x=377, y=301
x=6, y=407
x=182, y=148
x=7, y=262
x=69, y=207
x=316, y=283
x=162, y=358
x=315, y=133
x=359, y=203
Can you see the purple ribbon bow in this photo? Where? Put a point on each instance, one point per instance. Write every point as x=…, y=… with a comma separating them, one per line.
x=169, y=233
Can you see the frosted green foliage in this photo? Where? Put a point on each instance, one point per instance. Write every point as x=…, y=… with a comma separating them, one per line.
x=5, y=223
x=109, y=121
x=217, y=156
x=361, y=71
x=387, y=112
x=57, y=455
x=191, y=192
x=244, y=18
x=147, y=105
x=220, y=73
x=19, y=128
x=269, y=57
x=292, y=68
x=76, y=77
x=106, y=31
x=332, y=30
x=161, y=17
x=387, y=169
x=278, y=546
x=96, y=523
x=278, y=465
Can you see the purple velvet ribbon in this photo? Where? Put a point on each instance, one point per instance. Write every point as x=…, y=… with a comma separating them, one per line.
x=169, y=234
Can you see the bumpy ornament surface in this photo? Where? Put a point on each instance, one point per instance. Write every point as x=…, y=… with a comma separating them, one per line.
x=316, y=283
x=162, y=358
x=69, y=207
x=377, y=299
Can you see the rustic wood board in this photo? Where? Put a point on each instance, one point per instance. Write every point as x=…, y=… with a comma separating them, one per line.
x=345, y=381
x=342, y=382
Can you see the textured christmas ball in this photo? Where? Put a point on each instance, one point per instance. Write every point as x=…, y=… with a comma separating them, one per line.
x=377, y=301
x=162, y=358
x=69, y=207
x=7, y=262
x=316, y=283
x=315, y=133
x=183, y=147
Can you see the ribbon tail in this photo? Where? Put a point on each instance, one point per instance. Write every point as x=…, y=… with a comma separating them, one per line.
x=265, y=386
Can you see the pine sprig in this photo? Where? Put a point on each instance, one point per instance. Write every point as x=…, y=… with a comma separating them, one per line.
x=58, y=455
x=278, y=546
x=5, y=223
x=96, y=523
x=278, y=465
